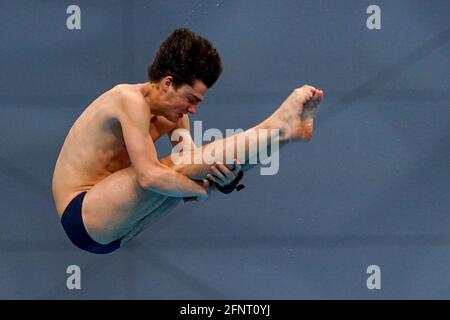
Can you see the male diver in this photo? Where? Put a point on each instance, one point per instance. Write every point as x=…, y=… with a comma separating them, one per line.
x=109, y=182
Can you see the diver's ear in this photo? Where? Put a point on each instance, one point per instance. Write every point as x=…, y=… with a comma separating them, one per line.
x=166, y=82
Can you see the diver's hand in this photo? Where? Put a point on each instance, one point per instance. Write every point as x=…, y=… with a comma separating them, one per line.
x=223, y=174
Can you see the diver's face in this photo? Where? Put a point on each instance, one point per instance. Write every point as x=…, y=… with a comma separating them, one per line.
x=183, y=99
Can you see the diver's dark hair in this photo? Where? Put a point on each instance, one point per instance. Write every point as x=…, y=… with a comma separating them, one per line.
x=186, y=57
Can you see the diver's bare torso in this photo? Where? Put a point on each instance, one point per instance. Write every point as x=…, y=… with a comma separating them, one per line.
x=94, y=147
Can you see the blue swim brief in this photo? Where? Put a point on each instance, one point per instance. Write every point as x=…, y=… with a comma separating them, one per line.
x=72, y=223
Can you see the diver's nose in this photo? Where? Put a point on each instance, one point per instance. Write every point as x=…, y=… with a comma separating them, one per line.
x=192, y=108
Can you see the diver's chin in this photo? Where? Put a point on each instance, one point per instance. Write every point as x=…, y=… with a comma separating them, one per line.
x=174, y=117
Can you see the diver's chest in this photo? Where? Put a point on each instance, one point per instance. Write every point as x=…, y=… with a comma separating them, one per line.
x=159, y=127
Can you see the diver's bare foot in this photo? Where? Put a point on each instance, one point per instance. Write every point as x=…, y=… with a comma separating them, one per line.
x=295, y=116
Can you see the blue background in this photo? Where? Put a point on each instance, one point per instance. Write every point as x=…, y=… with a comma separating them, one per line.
x=372, y=188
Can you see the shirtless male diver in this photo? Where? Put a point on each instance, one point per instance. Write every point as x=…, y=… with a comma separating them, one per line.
x=108, y=181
